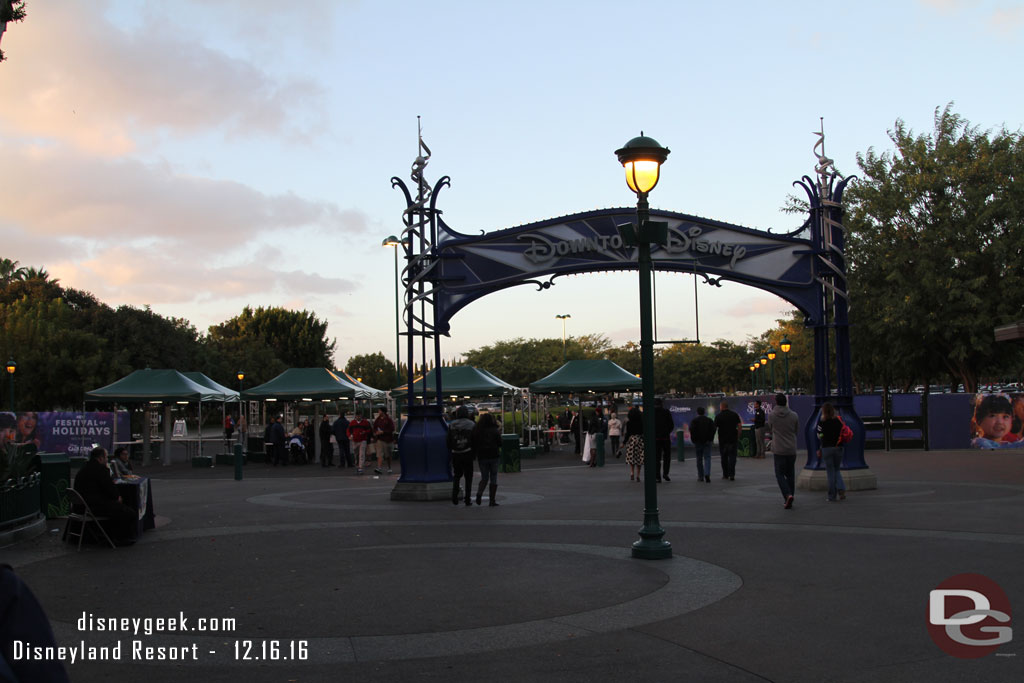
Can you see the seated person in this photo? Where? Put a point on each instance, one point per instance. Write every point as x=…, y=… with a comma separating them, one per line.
x=122, y=466
x=94, y=485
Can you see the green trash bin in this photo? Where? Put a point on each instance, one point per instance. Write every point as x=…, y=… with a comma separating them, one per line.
x=746, y=448
x=681, y=445
x=509, y=453
x=55, y=471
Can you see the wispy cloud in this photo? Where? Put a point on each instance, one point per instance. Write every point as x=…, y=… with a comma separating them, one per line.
x=82, y=80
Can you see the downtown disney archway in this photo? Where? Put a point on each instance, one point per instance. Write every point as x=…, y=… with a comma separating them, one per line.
x=446, y=270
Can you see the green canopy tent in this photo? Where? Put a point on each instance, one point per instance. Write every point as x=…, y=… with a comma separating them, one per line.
x=150, y=386
x=303, y=384
x=587, y=375
x=362, y=390
x=227, y=395
x=461, y=380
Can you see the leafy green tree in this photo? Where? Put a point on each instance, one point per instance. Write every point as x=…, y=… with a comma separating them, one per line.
x=10, y=11
x=373, y=369
x=297, y=338
x=10, y=271
x=224, y=357
x=935, y=246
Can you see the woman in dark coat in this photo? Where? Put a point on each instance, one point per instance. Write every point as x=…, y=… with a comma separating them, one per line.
x=487, y=449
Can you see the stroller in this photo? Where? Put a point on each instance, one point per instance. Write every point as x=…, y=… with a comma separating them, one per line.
x=297, y=451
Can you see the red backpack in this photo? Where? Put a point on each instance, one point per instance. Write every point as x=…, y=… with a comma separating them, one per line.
x=845, y=433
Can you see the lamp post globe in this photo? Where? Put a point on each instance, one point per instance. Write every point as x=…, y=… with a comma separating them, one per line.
x=642, y=158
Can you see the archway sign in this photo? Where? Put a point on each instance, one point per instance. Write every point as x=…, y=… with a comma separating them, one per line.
x=447, y=270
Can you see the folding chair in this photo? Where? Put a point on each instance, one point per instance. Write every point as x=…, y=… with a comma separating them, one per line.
x=83, y=519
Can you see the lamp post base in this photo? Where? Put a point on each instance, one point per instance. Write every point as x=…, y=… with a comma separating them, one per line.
x=651, y=545
x=651, y=549
x=862, y=479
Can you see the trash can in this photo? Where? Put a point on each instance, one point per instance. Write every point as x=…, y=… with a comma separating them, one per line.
x=510, y=453
x=599, y=449
x=254, y=449
x=55, y=470
x=746, y=448
x=681, y=445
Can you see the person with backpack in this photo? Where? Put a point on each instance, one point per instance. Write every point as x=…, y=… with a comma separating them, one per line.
x=702, y=434
x=830, y=429
x=460, y=445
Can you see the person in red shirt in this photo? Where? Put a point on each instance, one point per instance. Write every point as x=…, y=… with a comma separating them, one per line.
x=360, y=431
x=383, y=436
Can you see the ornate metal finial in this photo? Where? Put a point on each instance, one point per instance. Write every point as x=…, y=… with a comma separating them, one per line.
x=826, y=168
x=422, y=188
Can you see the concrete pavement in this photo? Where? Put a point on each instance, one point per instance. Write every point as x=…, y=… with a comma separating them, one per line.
x=320, y=564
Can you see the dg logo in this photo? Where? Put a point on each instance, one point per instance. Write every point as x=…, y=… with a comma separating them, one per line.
x=969, y=616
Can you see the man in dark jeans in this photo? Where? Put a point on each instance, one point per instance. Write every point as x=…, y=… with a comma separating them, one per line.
x=663, y=426
x=729, y=426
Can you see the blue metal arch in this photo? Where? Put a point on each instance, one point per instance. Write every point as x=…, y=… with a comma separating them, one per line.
x=472, y=266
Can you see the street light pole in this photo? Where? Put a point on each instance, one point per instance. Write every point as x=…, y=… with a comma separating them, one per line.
x=762, y=362
x=11, y=367
x=562, y=318
x=785, y=345
x=771, y=357
x=642, y=158
x=394, y=242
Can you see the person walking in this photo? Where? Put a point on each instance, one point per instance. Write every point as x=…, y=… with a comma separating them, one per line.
x=759, y=429
x=663, y=427
x=359, y=432
x=576, y=427
x=487, y=448
x=635, y=442
x=595, y=426
x=729, y=427
x=829, y=428
x=383, y=436
x=615, y=432
x=782, y=424
x=340, y=428
x=277, y=438
x=460, y=445
x=702, y=434
x=326, y=447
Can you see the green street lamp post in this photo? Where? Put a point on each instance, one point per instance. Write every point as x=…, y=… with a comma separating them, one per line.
x=562, y=317
x=771, y=357
x=785, y=346
x=241, y=376
x=762, y=362
x=11, y=367
x=394, y=243
x=753, y=378
x=642, y=158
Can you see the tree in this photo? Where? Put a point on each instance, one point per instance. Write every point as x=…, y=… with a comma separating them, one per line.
x=10, y=271
x=935, y=246
x=373, y=369
x=297, y=338
x=10, y=11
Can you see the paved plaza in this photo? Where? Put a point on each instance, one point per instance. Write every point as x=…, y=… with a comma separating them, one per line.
x=542, y=587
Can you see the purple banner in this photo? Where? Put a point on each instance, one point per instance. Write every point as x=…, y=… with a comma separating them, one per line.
x=71, y=433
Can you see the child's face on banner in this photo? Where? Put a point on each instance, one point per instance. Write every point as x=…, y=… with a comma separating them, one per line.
x=995, y=425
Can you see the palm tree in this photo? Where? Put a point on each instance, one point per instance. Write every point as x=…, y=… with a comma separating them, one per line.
x=10, y=272
x=33, y=273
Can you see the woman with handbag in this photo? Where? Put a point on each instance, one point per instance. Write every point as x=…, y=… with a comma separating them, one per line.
x=830, y=426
